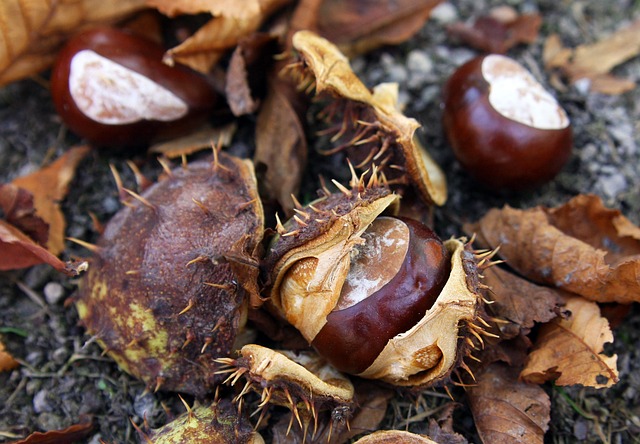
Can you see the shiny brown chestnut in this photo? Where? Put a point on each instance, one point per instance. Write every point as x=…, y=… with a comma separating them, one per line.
x=112, y=88
x=504, y=128
x=396, y=275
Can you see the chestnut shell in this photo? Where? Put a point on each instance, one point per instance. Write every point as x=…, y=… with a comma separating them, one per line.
x=164, y=294
x=144, y=57
x=498, y=152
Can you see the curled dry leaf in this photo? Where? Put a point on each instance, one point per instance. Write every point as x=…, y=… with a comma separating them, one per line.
x=7, y=362
x=49, y=186
x=245, y=74
x=570, y=351
x=367, y=124
x=281, y=143
x=506, y=410
x=497, y=32
x=357, y=26
x=231, y=22
x=519, y=301
x=17, y=205
x=204, y=138
x=33, y=30
x=73, y=433
x=17, y=250
x=582, y=247
x=593, y=63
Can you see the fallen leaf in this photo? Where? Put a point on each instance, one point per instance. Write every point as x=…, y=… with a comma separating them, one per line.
x=49, y=186
x=593, y=63
x=582, y=247
x=17, y=205
x=7, y=362
x=245, y=73
x=227, y=27
x=17, y=250
x=33, y=30
x=497, y=32
x=368, y=125
x=506, y=410
x=358, y=26
x=570, y=351
x=199, y=140
x=70, y=435
x=281, y=142
x=519, y=301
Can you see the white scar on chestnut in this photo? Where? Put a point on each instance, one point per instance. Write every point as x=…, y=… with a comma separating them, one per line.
x=112, y=94
x=517, y=95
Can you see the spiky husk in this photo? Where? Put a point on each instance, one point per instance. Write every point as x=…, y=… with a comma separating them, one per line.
x=165, y=293
x=368, y=124
x=217, y=423
x=303, y=382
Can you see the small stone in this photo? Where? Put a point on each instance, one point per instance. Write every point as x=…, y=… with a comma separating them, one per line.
x=444, y=13
x=580, y=430
x=110, y=204
x=613, y=185
x=143, y=405
x=49, y=421
x=53, y=293
x=60, y=355
x=34, y=358
x=41, y=403
x=419, y=62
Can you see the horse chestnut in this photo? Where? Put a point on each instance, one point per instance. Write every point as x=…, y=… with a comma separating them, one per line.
x=379, y=297
x=112, y=88
x=504, y=128
x=167, y=290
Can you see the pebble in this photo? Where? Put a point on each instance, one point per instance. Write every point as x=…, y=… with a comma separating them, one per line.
x=444, y=13
x=612, y=185
x=110, y=204
x=53, y=293
x=60, y=355
x=143, y=405
x=41, y=402
x=49, y=421
x=580, y=430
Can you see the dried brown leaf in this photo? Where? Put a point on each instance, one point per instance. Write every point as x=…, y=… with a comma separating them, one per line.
x=358, y=26
x=49, y=186
x=7, y=362
x=17, y=250
x=497, y=32
x=281, y=144
x=32, y=30
x=570, y=351
x=17, y=205
x=594, y=62
x=199, y=140
x=582, y=247
x=245, y=74
x=71, y=434
x=519, y=301
x=227, y=27
x=506, y=410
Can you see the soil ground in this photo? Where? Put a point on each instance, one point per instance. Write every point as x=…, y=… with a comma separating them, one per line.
x=63, y=374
